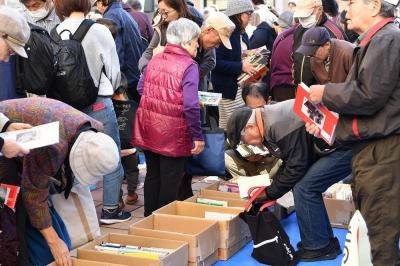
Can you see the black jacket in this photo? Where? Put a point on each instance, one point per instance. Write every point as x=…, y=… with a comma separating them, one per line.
x=229, y=66
x=263, y=35
x=368, y=102
x=286, y=138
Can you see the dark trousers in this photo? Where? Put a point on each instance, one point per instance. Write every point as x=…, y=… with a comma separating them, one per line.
x=283, y=92
x=376, y=191
x=185, y=188
x=163, y=177
x=133, y=93
x=131, y=171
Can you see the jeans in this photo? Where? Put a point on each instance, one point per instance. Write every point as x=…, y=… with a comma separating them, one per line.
x=314, y=225
x=112, y=182
x=163, y=177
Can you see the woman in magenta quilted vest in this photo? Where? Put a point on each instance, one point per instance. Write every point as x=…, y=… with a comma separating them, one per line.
x=167, y=125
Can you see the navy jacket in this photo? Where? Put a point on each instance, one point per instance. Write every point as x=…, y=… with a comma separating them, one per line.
x=263, y=35
x=229, y=66
x=128, y=41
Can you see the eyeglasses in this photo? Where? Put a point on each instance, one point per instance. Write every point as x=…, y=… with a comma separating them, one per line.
x=164, y=14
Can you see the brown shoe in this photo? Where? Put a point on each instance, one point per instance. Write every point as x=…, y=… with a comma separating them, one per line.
x=131, y=199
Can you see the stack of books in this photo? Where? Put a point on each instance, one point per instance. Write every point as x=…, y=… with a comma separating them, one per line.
x=135, y=251
x=259, y=57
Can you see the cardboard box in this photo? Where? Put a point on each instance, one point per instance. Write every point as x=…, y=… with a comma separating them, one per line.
x=178, y=257
x=78, y=262
x=201, y=235
x=231, y=231
x=226, y=253
x=237, y=203
x=212, y=190
x=209, y=261
x=339, y=212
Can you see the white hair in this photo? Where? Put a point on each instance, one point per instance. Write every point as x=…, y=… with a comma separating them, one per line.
x=182, y=31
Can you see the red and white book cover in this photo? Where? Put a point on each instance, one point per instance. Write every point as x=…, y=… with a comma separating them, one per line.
x=11, y=198
x=316, y=114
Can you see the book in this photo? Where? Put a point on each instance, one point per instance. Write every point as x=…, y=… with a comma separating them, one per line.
x=9, y=195
x=35, y=137
x=316, y=114
x=246, y=150
x=209, y=98
x=212, y=202
x=247, y=182
x=259, y=57
x=136, y=251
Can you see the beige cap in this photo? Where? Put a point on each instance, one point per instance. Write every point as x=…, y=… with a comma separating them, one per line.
x=223, y=25
x=93, y=155
x=304, y=8
x=14, y=29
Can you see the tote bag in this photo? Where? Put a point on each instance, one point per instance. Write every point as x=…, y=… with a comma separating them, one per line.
x=211, y=161
x=271, y=244
x=78, y=213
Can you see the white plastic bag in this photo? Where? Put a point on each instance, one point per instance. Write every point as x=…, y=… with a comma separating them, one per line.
x=78, y=213
x=357, y=250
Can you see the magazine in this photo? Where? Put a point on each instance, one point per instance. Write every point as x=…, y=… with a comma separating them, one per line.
x=258, y=56
x=247, y=182
x=246, y=150
x=316, y=114
x=209, y=98
x=35, y=137
x=9, y=195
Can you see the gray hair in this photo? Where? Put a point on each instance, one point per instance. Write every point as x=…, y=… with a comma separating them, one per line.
x=387, y=9
x=135, y=4
x=182, y=31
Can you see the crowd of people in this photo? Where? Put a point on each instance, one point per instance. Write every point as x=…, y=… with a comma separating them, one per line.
x=348, y=56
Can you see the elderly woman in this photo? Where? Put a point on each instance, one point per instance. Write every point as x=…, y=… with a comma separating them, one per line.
x=167, y=124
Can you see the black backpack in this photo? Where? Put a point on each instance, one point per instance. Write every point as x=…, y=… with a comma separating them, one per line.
x=35, y=73
x=72, y=82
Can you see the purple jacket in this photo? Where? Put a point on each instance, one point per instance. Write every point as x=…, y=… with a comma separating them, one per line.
x=281, y=59
x=146, y=30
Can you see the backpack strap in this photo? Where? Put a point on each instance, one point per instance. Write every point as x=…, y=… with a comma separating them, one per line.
x=54, y=35
x=334, y=29
x=82, y=30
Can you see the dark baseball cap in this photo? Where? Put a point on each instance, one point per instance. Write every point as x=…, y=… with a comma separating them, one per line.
x=312, y=40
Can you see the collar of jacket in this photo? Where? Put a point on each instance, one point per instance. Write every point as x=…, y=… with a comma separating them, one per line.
x=176, y=49
x=372, y=31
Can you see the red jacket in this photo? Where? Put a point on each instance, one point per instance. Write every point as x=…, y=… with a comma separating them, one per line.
x=160, y=124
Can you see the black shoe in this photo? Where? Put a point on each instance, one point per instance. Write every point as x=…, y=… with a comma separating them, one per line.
x=330, y=252
x=332, y=240
x=114, y=216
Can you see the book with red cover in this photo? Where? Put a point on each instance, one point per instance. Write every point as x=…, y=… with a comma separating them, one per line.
x=11, y=199
x=316, y=114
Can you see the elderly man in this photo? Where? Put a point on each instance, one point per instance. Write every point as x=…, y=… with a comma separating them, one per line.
x=368, y=103
x=82, y=155
x=41, y=13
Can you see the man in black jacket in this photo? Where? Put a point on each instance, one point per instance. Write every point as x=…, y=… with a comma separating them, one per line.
x=279, y=129
x=368, y=103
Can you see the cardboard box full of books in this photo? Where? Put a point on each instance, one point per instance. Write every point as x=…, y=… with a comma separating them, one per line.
x=79, y=262
x=232, y=229
x=339, y=212
x=176, y=255
x=201, y=235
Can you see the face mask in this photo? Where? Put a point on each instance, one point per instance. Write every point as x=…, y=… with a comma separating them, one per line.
x=308, y=22
x=39, y=14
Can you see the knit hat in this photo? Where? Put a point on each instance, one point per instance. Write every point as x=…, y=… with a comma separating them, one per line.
x=92, y=156
x=238, y=6
x=285, y=19
x=14, y=29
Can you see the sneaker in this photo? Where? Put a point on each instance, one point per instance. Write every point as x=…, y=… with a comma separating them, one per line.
x=132, y=199
x=114, y=216
x=330, y=252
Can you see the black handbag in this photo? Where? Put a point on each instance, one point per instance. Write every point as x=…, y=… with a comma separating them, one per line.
x=271, y=244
